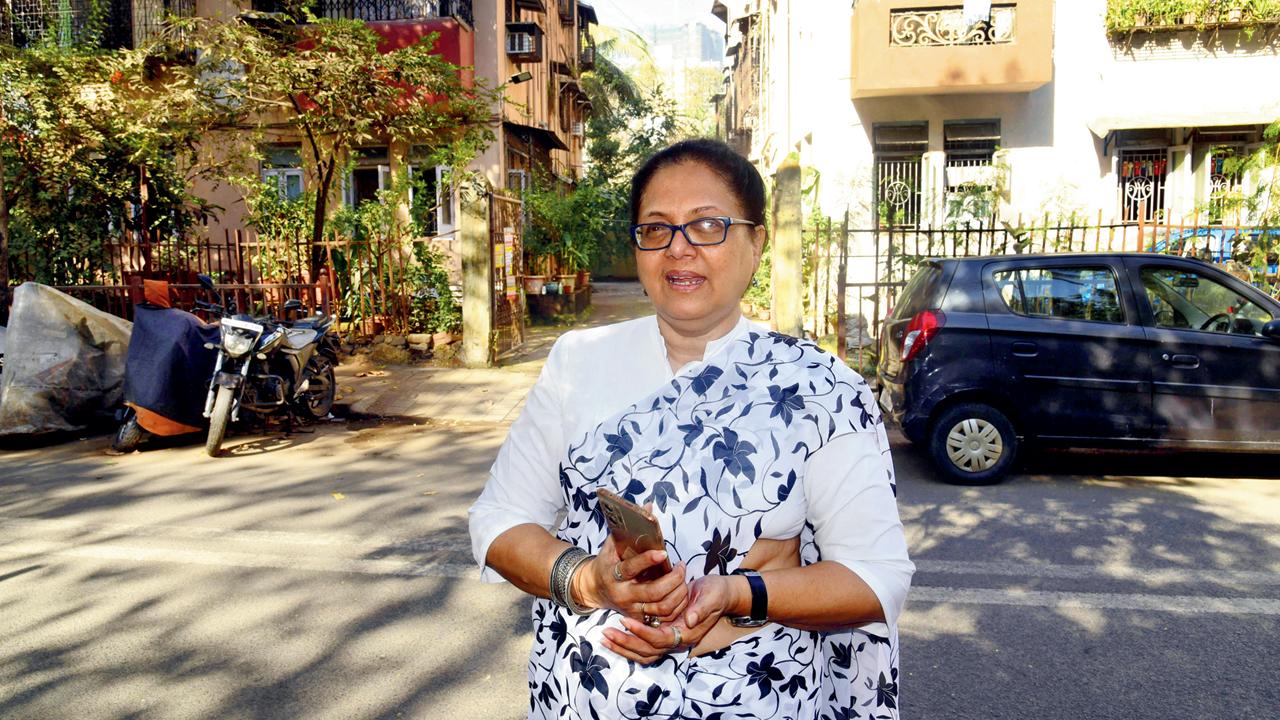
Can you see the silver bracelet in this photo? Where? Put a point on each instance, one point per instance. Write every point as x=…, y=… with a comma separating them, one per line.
x=569, y=602
x=562, y=574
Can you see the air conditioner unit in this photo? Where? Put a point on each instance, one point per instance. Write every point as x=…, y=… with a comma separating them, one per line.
x=578, y=129
x=520, y=43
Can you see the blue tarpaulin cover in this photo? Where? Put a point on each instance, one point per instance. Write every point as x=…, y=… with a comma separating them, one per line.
x=168, y=368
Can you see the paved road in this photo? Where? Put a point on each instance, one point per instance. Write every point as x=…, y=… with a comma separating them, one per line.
x=328, y=575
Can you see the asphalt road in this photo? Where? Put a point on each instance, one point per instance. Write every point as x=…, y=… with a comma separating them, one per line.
x=328, y=575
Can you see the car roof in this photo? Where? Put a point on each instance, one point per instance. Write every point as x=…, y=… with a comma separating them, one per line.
x=1036, y=257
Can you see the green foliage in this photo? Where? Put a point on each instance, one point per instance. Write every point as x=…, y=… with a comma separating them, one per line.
x=1125, y=16
x=284, y=229
x=1259, y=206
x=328, y=83
x=432, y=308
x=92, y=148
x=568, y=224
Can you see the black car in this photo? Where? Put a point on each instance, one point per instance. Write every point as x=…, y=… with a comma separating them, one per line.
x=1128, y=349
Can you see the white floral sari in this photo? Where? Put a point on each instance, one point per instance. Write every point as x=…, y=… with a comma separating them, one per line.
x=716, y=451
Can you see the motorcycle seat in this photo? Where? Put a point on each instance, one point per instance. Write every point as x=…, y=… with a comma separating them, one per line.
x=299, y=338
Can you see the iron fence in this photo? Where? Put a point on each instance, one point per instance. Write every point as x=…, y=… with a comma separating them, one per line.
x=853, y=275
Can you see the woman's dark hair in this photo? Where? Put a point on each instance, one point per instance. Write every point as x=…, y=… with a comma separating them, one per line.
x=741, y=176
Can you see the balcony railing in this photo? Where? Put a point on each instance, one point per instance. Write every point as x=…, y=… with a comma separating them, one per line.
x=380, y=10
x=117, y=24
x=918, y=27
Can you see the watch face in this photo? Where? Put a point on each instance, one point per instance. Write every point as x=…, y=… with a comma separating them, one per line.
x=746, y=622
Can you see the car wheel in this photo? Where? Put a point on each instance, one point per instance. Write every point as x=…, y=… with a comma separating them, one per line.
x=973, y=444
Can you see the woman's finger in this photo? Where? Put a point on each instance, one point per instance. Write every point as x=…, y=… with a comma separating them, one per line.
x=632, y=567
x=632, y=646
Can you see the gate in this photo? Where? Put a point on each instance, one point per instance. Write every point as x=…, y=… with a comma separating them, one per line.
x=507, y=250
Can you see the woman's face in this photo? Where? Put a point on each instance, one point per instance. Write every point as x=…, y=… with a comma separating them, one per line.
x=696, y=288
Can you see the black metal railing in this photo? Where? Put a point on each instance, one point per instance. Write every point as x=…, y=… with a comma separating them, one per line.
x=385, y=10
x=104, y=23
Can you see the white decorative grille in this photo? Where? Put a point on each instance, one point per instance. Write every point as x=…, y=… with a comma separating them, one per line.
x=922, y=27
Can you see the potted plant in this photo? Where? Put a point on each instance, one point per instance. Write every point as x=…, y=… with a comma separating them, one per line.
x=534, y=284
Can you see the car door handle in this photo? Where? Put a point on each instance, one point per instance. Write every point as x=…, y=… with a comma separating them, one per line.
x=1024, y=349
x=1189, y=362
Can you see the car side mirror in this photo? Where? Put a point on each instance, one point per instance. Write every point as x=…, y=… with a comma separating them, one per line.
x=206, y=282
x=1271, y=330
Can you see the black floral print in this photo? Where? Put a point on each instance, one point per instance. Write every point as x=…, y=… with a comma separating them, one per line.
x=717, y=451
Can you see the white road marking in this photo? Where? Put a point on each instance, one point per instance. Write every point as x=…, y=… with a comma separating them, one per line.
x=1150, y=576
x=1181, y=604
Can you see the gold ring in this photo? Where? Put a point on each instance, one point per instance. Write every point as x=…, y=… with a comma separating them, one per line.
x=677, y=641
x=617, y=572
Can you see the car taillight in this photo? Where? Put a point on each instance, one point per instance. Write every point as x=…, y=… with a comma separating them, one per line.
x=921, y=329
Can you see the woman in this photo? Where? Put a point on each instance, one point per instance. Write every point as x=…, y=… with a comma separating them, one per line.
x=754, y=450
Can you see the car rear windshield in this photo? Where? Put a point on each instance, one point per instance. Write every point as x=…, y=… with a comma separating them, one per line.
x=919, y=292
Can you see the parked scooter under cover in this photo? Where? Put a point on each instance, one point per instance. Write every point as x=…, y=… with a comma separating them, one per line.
x=171, y=354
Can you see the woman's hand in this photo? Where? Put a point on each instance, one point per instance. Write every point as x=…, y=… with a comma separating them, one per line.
x=710, y=598
x=609, y=582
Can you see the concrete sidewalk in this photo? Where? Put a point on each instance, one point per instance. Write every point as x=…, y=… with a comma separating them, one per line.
x=490, y=395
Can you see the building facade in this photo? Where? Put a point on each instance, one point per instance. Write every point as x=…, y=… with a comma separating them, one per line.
x=901, y=106
x=536, y=48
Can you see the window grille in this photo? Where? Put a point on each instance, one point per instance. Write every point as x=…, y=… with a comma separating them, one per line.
x=971, y=148
x=899, y=151
x=1143, y=176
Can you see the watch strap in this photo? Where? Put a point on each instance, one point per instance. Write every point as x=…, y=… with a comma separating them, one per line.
x=759, y=600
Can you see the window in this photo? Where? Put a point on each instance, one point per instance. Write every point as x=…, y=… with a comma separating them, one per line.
x=1143, y=175
x=372, y=173
x=899, y=149
x=1226, y=176
x=971, y=146
x=430, y=199
x=1187, y=300
x=282, y=167
x=1068, y=293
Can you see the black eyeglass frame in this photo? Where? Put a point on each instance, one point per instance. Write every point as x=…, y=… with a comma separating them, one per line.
x=728, y=223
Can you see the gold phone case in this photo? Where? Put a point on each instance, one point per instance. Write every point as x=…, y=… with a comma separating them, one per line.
x=634, y=529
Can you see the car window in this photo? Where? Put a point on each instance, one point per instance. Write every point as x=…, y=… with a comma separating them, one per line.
x=1189, y=300
x=1070, y=293
x=919, y=292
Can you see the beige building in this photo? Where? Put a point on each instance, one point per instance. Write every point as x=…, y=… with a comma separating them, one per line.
x=898, y=105
x=536, y=48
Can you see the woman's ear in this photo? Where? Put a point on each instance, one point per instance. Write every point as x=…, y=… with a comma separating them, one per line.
x=758, y=239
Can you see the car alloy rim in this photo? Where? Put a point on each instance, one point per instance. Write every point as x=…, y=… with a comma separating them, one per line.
x=974, y=445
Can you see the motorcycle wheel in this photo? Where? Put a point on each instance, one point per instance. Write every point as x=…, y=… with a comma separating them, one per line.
x=129, y=436
x=317, y=401
x=218, y=420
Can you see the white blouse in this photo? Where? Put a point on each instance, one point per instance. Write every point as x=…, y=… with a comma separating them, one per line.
x=595, y=373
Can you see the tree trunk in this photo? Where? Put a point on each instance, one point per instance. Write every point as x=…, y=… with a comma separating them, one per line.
x=317, y=222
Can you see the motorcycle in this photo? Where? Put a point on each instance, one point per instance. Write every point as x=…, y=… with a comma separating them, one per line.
x=269, y=367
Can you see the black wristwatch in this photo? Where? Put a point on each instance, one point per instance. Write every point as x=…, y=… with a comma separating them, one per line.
x=759, y=601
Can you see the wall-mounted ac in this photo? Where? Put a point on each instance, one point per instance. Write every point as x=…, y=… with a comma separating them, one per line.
x=520, y=43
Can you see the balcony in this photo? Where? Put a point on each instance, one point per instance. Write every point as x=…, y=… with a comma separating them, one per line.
x=911, y=47
x=385, y=10
x=129, y=24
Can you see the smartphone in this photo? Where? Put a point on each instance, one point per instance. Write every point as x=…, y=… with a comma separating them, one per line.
x=635, y=530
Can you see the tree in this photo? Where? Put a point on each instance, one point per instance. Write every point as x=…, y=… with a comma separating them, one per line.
x=92, y=143
x=329, y=83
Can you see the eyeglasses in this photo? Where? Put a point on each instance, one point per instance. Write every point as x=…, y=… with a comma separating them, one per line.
x=701, y=231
